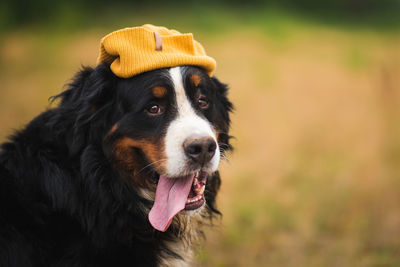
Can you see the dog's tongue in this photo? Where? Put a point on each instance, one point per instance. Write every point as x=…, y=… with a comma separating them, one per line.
x=171, y=196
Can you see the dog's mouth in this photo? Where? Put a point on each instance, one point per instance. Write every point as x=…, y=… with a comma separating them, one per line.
x=196, y=195
x=176, y=194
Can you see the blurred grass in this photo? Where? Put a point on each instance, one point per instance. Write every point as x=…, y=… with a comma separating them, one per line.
x=315, y=178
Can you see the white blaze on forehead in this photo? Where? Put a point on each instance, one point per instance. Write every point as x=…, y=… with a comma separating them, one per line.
x=186, y=124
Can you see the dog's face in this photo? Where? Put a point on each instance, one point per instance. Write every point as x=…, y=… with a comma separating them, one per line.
x=169, y=139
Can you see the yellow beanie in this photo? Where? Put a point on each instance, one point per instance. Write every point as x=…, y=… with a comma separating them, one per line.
x=131, y=51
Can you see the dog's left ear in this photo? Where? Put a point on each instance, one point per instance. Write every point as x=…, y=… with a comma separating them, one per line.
x=224, y=108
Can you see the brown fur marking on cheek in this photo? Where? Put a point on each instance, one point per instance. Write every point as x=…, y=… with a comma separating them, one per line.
x=159, y=91
x=124, y=155
x=195, y=80
x=155, y=153
x=130, y=162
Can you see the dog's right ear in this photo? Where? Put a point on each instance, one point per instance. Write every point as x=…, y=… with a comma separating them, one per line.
x=89, y=87
x=87, y=98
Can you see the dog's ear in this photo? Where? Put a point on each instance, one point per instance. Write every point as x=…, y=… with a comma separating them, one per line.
x=90, y=88
x=224, y=108
x=88, y=98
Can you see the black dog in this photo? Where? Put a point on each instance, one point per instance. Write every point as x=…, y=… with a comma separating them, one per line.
x=78, y=183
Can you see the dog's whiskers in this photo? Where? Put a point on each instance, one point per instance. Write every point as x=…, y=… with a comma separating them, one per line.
x=148, y=165
x=223, y=155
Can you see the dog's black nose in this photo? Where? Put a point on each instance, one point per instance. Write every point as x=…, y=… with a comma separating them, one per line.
x=200, y=150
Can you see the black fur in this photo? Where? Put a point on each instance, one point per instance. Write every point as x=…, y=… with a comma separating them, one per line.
x=63, y=202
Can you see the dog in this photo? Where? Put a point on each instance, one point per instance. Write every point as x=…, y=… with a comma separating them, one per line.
x=101, y=178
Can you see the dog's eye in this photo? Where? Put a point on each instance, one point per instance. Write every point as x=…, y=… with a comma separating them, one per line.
x=154, y=109
x=202, y=102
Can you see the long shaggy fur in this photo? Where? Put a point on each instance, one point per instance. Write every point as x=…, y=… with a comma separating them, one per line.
x=62, y=200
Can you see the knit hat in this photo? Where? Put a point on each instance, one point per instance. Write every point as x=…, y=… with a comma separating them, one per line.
x=131, y=51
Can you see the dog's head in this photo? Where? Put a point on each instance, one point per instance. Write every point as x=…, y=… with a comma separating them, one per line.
x=164, y=131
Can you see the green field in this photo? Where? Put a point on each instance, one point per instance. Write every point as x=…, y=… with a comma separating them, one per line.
x=315, y=176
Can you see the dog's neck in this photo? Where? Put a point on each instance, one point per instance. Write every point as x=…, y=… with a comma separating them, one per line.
x=187, y=231
x=177, y=247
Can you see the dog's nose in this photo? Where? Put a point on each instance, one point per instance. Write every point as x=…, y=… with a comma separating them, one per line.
x=200, y=150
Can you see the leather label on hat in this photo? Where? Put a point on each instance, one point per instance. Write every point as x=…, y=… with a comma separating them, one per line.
x=158, y=41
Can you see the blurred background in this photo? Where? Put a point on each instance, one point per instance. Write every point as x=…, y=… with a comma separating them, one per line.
x=315, y=177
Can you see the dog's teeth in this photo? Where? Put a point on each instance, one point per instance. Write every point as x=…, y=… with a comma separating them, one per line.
x=201, y=191
x=194, y=199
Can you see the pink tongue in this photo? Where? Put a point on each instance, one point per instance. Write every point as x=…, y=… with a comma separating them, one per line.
x=171, y=196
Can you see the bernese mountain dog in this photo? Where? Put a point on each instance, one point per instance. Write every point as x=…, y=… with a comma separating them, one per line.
x=121, y=172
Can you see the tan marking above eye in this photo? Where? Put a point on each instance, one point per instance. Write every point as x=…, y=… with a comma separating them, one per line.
x=159, y=91
x=195, y=80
